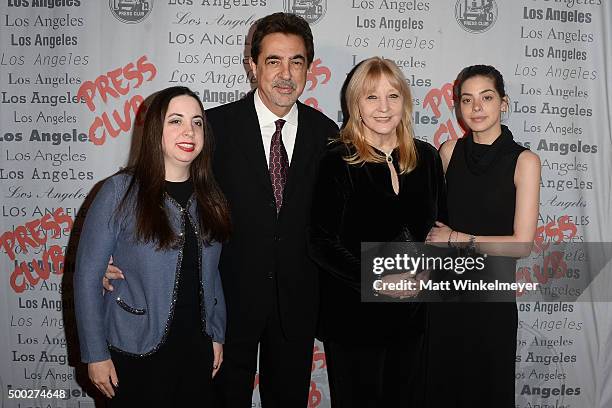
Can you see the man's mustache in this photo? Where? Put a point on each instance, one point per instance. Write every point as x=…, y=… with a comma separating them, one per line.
x=284, y=83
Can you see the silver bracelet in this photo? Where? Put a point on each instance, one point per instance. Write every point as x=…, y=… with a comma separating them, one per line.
x=472, y=244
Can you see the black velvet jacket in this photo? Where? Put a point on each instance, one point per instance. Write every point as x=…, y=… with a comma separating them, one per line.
x=354, y=204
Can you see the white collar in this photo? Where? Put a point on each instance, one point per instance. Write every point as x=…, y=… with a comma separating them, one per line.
x=267, y=117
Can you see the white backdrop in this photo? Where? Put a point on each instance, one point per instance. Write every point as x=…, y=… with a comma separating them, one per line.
x=74, y=71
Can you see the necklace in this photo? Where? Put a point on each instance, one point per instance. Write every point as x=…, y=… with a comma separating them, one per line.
x=388, y=156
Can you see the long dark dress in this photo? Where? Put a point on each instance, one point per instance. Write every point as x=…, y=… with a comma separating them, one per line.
x=372, y=349
x=473, y=345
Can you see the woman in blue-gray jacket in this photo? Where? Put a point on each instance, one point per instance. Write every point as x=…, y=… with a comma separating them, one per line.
x=156, y=340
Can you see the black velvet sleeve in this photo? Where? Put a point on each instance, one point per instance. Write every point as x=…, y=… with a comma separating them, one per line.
x=432, y=173
x=332, y=189
x=441, y=189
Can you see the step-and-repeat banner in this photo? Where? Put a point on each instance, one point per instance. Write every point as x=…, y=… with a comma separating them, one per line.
x=74, y=72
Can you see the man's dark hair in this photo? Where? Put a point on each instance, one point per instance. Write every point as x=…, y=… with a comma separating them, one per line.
x=284, y=23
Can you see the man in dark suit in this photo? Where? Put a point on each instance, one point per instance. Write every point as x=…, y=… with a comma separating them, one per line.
x=266, y=158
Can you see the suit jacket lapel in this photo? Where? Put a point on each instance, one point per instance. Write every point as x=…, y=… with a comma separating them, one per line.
x=303, y=153
x=250, y=143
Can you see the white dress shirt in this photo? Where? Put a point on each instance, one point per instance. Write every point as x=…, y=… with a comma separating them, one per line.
x=267, y=126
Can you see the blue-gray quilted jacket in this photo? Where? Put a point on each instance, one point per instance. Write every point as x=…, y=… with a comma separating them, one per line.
x=136, y=316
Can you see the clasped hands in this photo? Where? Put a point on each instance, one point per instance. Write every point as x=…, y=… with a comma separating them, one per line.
x=441, y=235
x=396, y=280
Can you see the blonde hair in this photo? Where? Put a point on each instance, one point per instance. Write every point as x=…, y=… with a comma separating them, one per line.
x=364, y=79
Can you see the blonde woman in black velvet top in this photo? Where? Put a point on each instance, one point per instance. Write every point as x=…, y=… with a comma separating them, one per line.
x=374, y=182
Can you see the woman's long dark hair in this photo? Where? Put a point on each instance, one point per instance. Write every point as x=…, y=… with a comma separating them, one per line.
x=148, y=171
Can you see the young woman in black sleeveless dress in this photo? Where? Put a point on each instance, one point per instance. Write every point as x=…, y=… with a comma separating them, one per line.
x=493, y=198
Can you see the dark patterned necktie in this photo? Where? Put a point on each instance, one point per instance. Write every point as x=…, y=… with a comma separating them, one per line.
x=279, y=164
